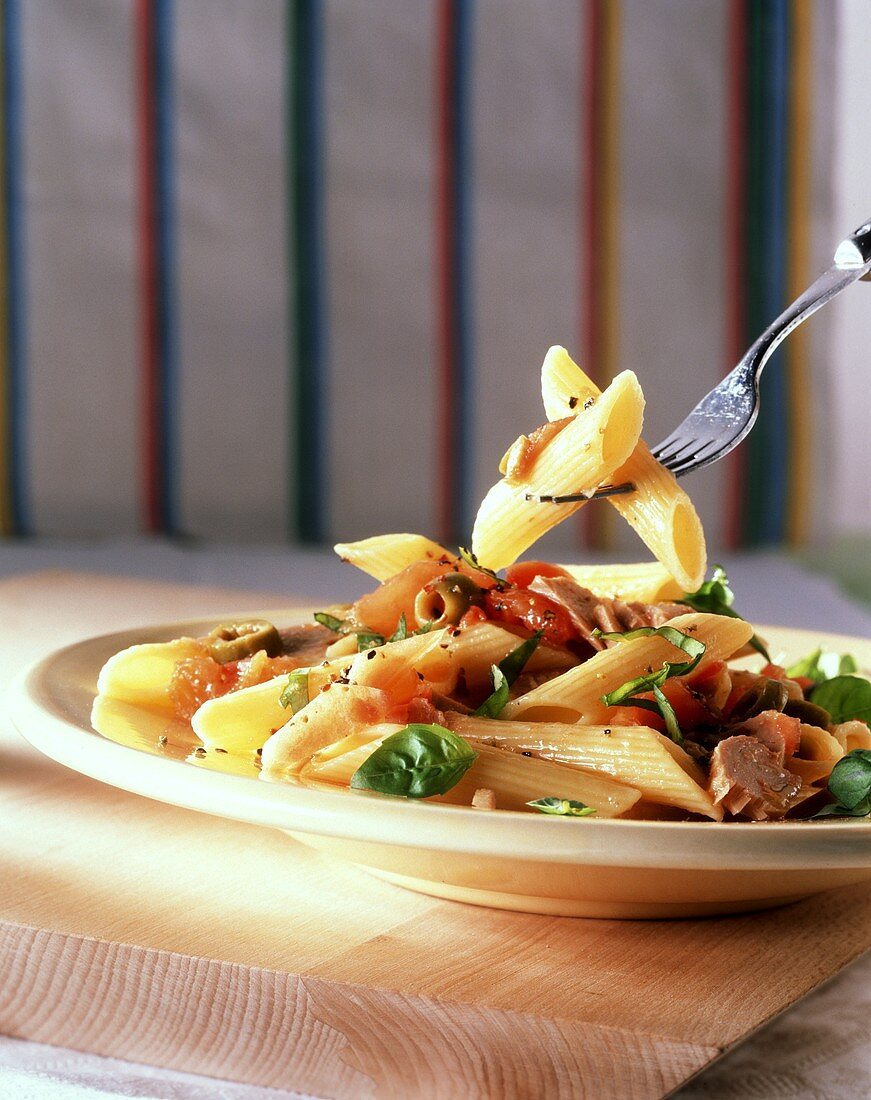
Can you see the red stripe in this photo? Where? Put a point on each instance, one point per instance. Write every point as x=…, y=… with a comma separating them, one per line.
x=146, y=155
x=591, y=216
x=445, y=252
x=735, y=245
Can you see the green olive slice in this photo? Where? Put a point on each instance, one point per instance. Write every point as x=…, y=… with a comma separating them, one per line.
x=445, y=600
x=233, y=641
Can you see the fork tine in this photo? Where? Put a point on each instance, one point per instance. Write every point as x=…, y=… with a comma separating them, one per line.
x=669, y=452
x=702, y=457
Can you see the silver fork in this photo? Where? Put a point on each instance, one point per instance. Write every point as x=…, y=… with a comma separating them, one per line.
x=724, y=417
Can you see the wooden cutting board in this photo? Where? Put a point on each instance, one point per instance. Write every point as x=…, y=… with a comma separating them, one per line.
x=134, y=929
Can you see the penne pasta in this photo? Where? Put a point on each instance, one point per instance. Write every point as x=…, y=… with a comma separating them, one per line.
x=142, y=674
x=475, y=649
x=383, y=556
x=659, y=510
x=339, y=711
x=576, y=695
x=399, y=667
x=638, y=756
x=583, y=455
x=646, y=582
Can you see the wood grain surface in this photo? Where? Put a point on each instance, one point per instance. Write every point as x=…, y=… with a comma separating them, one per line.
x=135, y=929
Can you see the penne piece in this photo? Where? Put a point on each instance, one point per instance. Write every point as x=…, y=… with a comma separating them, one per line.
x=383, y=556
x=638, y=756
x=581, y=456
x=576, y=695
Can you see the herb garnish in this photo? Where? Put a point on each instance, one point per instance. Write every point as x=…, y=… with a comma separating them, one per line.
x=850, y=786
x=295, y=693
x=819, y=666
x=716, y=597
x=505, y=673
x=565, y=807
x=469, y=558
x=368, y=639
x=401, y=631
x=416, y=762
x=845, y=698
x=626, y=695
x=338, y=626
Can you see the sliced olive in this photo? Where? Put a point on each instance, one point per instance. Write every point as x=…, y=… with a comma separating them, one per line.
x=233, y=641
x=446, y=600
x=766, y=694
x=809, y=713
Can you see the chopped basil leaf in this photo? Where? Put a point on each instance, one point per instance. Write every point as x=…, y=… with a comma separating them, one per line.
x=338, y=626
x=850, y=786
x=565, y=807
x=295, y=694
x=845, y=698
x=819, y=666
x=494, y=704
x=514, y=662
x=368, y=639
x=716, y=597
x=505, y=673
x=469, y=558
x=426, y=628
x=626, y=694
x=416, y=762
x=401, y=631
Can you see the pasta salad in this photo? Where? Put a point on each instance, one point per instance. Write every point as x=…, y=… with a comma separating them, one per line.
x=475, y=678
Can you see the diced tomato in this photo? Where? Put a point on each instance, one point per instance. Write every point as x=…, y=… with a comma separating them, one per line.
x=805, y=683
x=774, y=672
x=473, y=615
x=523, y=573
x=521, y=607
x=637, y=716
x=689, y=709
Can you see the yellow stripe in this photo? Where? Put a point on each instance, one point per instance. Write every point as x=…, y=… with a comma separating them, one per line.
x=609, y=190
x=6, y=520
x=798, y=267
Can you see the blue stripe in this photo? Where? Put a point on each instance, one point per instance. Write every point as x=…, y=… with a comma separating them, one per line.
x=17, y=349
x=776, y=462
x=462, y=112
x=165, y=257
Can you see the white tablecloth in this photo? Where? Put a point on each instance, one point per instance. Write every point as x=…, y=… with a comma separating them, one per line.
x=819, y=1050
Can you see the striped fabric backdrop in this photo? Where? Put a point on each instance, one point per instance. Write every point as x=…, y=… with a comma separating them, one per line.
x=287, y=270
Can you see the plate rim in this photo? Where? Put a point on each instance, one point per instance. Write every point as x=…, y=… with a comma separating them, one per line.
x=364, y=817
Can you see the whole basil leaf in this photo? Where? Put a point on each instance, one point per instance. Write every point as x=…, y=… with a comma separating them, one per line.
x=564, y=807
x=819, y=666
x=716, y=597
x=295, y=693
x=850, y=781
x=416, y=762
x=850, y=786
x=845, y=698
x=835, y=809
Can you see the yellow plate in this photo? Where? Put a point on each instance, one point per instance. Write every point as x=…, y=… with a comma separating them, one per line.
x=506, y=860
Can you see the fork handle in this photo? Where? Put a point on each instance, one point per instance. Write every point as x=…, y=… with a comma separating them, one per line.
x=852, y=261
